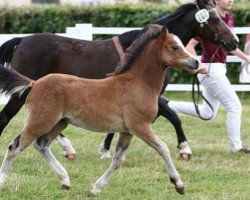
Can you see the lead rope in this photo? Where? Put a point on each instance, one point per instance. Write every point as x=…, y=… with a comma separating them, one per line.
x=199, y=94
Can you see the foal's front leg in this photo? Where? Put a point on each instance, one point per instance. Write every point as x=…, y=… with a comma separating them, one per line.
x=148, y=136
x=120, y=154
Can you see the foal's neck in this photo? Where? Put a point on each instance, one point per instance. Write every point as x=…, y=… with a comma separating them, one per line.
x=148, y=68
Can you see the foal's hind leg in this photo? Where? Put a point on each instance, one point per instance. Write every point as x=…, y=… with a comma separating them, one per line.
x=15, y=148
x=13, y=151
x=148, y=136
x=42, y=144
x=119, y=157
x=68, y=150
x=105, y=146
x=166, y=112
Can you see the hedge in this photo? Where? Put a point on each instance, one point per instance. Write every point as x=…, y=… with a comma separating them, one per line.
x=56, y=19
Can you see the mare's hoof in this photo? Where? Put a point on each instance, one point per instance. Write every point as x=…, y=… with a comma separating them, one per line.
x=71, y=156
x=180, y=190
x=65, y=187
x=185, y=156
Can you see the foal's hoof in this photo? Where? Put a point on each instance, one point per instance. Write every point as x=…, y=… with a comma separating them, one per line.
x=95, y=192
x=185, y=156
x=65, y=187
x=180, y=190
x=71, y=156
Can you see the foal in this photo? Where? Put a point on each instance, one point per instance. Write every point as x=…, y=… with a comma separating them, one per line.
x=56, y=100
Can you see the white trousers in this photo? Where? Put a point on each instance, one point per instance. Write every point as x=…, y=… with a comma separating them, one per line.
x=217, y=89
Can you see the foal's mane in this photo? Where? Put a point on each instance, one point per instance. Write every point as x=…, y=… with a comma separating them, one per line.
x=132, y=53
x=127, y=38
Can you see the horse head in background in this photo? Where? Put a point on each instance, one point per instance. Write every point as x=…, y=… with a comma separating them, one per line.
x=203, y=20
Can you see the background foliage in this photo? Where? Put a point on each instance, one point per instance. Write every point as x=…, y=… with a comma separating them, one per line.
x=56, y=19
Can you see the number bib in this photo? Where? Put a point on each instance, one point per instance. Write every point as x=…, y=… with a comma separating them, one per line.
x=202, y=16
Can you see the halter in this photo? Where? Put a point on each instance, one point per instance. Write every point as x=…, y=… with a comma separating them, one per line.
x=203, y=17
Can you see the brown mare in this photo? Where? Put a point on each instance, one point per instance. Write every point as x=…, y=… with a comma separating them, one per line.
x=56, y=100
x=41, y=54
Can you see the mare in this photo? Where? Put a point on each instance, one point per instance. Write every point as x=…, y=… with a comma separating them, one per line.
x=41, y=54
x=56, y=100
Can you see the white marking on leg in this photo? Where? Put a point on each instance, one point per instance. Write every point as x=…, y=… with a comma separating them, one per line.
x=104, y=152
x=7, y=162
x=164, y=152
x=65, y=145
x=103, y=180
x=53, y=163
x=119, y=157
x=152, y=140
x=185, y=148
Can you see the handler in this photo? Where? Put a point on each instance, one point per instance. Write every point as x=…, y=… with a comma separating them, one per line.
x=217, y=88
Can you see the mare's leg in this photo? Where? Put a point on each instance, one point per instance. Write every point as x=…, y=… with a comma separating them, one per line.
x=68, y=150
x=148, y=136
x=10, y=110
x=105, y=146
x=119, y=157
x=42, y=144
x=166, y=112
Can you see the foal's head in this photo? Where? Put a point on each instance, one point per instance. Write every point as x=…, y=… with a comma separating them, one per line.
x=158, y=40
x=174, y=54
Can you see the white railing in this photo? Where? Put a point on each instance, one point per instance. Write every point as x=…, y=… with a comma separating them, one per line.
x=86, y=32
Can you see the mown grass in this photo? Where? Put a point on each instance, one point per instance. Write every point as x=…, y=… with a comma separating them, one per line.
x=213, y=172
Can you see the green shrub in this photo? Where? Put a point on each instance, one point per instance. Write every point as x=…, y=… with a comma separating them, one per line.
x=55, y=19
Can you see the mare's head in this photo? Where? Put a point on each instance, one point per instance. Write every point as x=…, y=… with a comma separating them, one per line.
x=212, y=27
x=174, y=54
x=200, y=19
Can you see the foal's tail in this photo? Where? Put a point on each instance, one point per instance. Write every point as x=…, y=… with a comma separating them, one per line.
x=7, y=50
x=11, y=82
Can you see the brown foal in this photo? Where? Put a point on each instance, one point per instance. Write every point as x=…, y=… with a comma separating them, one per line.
x=56, y=100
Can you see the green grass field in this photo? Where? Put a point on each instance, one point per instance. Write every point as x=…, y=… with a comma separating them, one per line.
x=214, y=173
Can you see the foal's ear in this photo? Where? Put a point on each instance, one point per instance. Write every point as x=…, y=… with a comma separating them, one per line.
x=164, y=31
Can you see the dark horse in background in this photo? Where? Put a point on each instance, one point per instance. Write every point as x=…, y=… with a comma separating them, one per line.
x=41, y=54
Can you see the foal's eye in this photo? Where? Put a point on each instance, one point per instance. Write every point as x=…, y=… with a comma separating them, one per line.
x=175, y=48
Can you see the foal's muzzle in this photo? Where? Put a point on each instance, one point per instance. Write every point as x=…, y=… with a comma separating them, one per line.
x=192, y=64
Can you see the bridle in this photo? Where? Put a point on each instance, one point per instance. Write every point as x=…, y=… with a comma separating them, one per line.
x=217, y=36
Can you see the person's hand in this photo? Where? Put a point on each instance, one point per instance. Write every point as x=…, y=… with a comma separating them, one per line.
x=248, y=60
x=202, y=69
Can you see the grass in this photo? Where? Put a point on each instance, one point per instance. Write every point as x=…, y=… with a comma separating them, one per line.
x=213, y=172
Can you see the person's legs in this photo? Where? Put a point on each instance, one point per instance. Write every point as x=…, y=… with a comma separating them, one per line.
x=189, y=109
x=229, y=99
x=205, y=110
x=218, y=89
